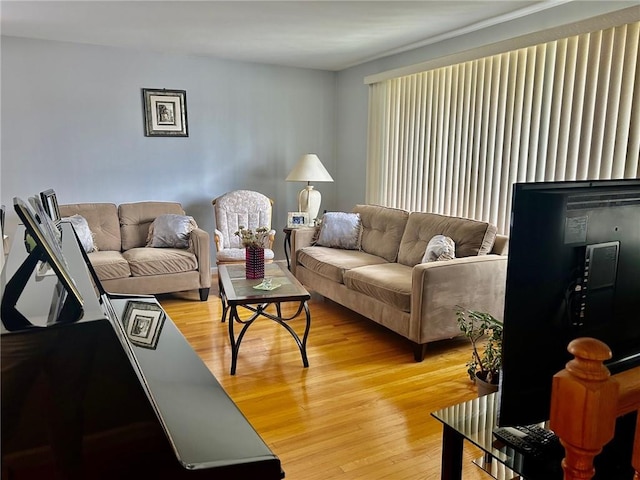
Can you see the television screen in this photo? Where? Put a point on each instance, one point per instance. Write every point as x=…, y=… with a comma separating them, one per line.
x=573, y=271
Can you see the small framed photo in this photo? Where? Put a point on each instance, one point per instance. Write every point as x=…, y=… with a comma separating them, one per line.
x=143, y=322
x=165, y=113
x=297, y=219
x=50, y=204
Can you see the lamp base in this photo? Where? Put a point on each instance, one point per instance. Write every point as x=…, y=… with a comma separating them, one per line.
x=309, y=201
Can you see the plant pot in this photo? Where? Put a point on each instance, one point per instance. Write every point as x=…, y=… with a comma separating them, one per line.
x=254, y=262
x=485, y=388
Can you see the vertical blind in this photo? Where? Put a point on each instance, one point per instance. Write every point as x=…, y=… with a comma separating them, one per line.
x=454, y=140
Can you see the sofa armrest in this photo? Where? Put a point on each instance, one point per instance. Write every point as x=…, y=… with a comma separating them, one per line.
x=476, y=283
x=300, y=238
x=200, y=246
x=501, y=245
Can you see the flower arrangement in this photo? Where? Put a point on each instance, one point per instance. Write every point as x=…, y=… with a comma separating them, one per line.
x=475, y=326
x=251, y=238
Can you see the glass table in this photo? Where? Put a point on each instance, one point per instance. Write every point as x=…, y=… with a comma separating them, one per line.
x=474, y=421
x=238, y=291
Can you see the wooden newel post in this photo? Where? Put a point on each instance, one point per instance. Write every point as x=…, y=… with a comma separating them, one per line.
x=584, y=390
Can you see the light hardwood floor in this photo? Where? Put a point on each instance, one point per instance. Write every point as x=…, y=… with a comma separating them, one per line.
x=362, y=408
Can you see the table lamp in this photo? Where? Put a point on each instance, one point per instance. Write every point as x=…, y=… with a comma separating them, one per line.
x=309, y=169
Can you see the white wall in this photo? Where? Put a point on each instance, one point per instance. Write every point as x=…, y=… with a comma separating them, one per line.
x=72, y=120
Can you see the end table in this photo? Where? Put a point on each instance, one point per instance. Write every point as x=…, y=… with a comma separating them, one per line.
x=287, y=244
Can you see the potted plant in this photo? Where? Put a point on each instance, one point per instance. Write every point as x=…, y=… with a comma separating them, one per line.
x=485, y=334
x=252, y=239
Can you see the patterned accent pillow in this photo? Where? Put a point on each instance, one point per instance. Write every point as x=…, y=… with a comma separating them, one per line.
x=84, y=233
x=340, y=230
x=439, y=248
x=171, y=231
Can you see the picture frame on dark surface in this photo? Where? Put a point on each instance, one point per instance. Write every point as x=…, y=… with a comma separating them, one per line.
x=37, y=234
x=297, y=219
x=41, y=246
x=143, y=322
x=165, y=113
x=50, y=204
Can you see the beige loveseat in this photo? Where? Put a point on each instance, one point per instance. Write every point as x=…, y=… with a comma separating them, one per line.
x=385, y=280
x=125, y=265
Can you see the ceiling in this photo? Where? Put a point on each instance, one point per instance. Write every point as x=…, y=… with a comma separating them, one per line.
x=327, y=35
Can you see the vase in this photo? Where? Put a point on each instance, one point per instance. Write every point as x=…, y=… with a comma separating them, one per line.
x=485, y=388
x=254, y=262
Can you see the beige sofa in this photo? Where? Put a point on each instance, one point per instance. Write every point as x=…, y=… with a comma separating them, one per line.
x=386, y=281
x=125, y=265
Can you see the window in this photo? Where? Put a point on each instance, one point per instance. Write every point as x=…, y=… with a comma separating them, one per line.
x=453, y=140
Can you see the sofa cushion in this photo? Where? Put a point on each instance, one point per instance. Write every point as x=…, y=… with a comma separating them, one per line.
x=109, y=264
x=103, y=222
x=331, y=263
x=158, y=261
x=340, y=230
x=471, y=237
x=382, y=229
x=83, y=232
x=170, y=230
x=388, y=282
x=135, y=219
x=439, y=248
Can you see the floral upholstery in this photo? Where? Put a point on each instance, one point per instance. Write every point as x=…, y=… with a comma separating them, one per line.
x=244, y=208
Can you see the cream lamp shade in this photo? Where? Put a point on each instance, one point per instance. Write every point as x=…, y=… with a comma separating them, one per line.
x=309, y=169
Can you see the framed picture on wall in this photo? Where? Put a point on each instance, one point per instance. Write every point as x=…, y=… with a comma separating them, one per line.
x=297, y=219
x=165, y=113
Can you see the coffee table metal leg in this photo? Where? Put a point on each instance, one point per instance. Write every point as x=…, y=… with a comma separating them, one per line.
x=235, y=342
x=305, y=361
x=232, y=339
x=223, y=300
x=260, y=311
x=302, y=344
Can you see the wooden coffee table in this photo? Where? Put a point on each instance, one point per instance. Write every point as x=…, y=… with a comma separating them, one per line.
x=237, y=291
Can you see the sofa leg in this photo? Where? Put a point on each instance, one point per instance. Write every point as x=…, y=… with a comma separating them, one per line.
x=419, y=350
x=204, y=294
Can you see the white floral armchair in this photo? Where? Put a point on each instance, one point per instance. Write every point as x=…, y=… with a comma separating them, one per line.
x=241, y=208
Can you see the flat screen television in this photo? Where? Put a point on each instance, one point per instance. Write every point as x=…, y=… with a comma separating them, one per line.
x=573, y=271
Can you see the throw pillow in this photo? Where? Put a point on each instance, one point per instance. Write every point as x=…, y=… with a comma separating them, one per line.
x=171, y=231
x=340, y=230
x=439, y=248
x=84, y=233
